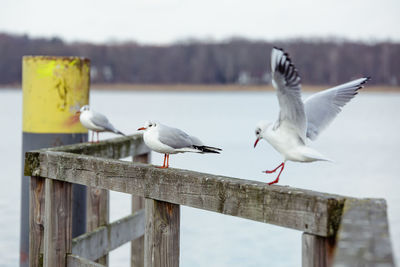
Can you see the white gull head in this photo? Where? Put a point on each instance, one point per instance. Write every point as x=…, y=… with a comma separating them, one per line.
x=261, y=129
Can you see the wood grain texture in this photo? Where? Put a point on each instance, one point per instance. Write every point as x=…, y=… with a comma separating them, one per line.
x=362, y=240
x=317, y=251
x=58, y=223
x=102, y=240
x=304, y=210
x=36, y=220
x=77, y=261
x=137, y=245
x=363, y=237
x=161, y=239
x=115, y=148
x=98, y=212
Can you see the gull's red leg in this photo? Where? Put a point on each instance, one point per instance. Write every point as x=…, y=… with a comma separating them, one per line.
x=163, y=166
x=274, y=170
x=167, y=161
x=277, y=178
x=282, y=166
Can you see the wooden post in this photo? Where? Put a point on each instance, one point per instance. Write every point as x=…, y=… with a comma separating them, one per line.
x=53, y=90
x=137, y=245
x=364, y=237
x=317, y=251
x=161, y=237
x=36, y=221
x=58, y=223
x=98, y=212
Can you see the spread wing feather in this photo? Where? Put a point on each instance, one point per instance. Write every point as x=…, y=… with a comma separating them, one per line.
x=322, y=107
x=287, y=82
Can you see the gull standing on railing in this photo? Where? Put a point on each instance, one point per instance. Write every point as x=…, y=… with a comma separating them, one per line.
x=167, y=140
x=96, y=122
x=300, y=121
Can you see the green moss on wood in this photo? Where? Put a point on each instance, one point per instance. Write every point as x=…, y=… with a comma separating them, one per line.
x=40, y=260
x=32, y=163
x=335, y=211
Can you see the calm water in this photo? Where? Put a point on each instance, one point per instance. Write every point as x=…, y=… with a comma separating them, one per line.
x=363, y=141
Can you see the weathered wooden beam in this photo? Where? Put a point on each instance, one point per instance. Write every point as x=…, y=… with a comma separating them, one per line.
x=115, y=148
x=98, y=212
x=161, y=239
x=137, y=245
x=312, y=212
x=36, y=220
x=363, y=238
x=58, y=223
x=76, y=261
x=102, y=240
x=317, y=251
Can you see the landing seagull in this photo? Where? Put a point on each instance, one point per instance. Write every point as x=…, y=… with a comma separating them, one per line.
x=95, y=122
x=167, y=140
x=300, y=121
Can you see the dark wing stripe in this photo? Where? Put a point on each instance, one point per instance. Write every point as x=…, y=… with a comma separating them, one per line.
x=288, y=70
x=287, y=81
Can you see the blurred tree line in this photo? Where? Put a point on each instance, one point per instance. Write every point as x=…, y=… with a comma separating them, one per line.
x=325, y=61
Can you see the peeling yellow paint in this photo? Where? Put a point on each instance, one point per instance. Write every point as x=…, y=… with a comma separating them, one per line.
x=54, y=88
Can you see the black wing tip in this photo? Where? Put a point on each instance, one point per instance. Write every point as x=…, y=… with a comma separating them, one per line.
x=208, y=149
x=366, y=79
x=286, y=67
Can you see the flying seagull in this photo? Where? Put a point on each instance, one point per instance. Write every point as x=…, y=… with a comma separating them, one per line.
x=167, y=140
x=96, y=122
x=300, y=121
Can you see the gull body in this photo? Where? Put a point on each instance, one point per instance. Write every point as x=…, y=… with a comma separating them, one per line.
x=298, y=121
x=285, y=140
x=95, y=121
x=168, y=140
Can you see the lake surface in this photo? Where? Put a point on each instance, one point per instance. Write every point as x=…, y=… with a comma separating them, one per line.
x=363, y=141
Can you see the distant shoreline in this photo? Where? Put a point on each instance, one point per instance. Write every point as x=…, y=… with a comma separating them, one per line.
x=210, y=88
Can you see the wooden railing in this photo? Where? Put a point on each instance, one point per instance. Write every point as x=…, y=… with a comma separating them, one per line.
x=338, y=230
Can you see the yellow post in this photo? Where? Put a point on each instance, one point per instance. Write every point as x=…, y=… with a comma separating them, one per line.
x=54, y=88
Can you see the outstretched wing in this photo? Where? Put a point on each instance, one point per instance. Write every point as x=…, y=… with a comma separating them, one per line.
x=321, y=108
x=287, y=82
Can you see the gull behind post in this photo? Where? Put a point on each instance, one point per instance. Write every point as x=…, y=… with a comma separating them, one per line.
x=96, y=122
x=167, y=140
x=299, y=121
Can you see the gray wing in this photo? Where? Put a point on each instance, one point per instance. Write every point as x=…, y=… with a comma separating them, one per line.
x=287, y=82
x=196, y=141
x=321, y=108
x=174, y=137
x=100, y=120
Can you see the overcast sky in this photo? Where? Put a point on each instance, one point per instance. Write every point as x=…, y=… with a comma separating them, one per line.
x=165, y=21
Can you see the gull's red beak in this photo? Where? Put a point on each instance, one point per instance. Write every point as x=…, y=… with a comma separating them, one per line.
x=141, y=129
x=255, y=143
x=78, y=112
